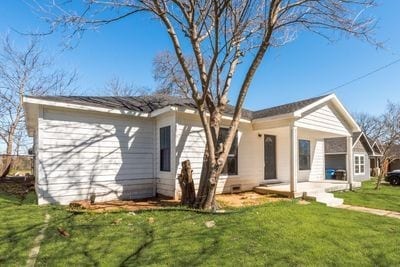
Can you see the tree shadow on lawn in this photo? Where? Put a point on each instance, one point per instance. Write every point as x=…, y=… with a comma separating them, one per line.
x=22, y=220
x=281, y=233
x=121, y=239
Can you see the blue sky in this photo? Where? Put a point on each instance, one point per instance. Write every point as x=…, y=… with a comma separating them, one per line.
x=304, y=68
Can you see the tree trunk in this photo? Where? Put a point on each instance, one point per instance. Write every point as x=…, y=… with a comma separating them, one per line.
x=187, y=185
x=384, y=170
x=8, y=158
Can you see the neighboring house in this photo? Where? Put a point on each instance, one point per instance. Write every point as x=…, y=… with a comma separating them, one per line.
x=375, y=158
x=365, y=156
x=132, y=147
x=395, y=164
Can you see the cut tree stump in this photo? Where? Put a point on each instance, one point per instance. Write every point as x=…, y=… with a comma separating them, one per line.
x=187, y=185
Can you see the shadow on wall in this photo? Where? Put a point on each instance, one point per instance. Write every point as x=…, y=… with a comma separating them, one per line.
x=105, y=157
x=191, y=145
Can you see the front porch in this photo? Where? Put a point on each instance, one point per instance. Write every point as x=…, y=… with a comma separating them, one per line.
x=295, y=160
x=305, y=189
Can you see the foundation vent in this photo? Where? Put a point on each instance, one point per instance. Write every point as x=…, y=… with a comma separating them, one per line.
x=236, y=188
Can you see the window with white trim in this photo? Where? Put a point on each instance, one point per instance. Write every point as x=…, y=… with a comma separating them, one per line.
x=359, y=164
x=231, y=165
x=304, y=155
x=165, y=149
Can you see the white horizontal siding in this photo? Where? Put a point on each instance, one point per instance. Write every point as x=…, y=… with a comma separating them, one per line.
x=317, y=172
x=324, y=119
x=317, y=157
x=190, y=145
x=84, y=153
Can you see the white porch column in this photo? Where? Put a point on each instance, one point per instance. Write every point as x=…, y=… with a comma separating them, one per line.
x=294, y=159
x=350, y=158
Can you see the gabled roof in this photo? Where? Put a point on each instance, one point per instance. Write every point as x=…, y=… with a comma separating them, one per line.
x=333, y=144
x=362, y=137
x=150, y=103
x=286, y=108
x=145, y=104
x=153, y=105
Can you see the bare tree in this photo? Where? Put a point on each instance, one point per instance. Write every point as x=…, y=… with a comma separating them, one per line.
x=168, y=73
x=388, y=133
x=219, y=35
x=117, y=87
x=370, y=124
x=24, y=72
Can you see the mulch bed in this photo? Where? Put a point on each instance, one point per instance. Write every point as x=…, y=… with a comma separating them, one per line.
x=17, y=185
x=225, y=201
x=123, y=205
x=246, y=199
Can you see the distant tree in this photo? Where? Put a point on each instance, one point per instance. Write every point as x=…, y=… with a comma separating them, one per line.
x=370, y=124
x=168, y=73
x=220, y=35
x=388, y=133
x=117, y=87
x=26, y=71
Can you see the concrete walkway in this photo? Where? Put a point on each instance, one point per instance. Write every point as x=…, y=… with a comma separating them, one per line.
x=36, y=243
x=387, y=213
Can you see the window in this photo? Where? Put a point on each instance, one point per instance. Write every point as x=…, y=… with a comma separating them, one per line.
x=165, y=149
x=359, y=164
x=304, y=155
x=231, y=165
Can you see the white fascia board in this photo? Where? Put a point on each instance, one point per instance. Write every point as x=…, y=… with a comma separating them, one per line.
x=31, y=116
x=194, y=112
x=321, y=101
x=350, y=118
x=163, y=110
x=277, y=118
x=333, y=98
x=83, y=107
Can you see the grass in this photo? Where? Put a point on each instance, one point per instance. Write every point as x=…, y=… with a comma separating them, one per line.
x=282, y=234
x=386, y=198
x=21, y=220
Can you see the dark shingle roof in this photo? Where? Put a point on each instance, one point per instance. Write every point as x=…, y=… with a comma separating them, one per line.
x=285, y=109
x=137, y=103
x=153, y=102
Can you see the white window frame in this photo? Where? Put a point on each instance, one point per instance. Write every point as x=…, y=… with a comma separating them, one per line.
x=359, y=164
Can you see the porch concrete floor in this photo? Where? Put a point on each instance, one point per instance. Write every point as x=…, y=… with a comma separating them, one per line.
x=303, y=188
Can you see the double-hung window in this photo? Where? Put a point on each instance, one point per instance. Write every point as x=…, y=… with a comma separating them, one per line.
x=304, y=155
x=231, y=165
x=359, y=164
x=165, y=149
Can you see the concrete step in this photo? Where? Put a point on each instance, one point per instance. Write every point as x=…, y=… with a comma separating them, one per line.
x=326, y=198
x=265, y=190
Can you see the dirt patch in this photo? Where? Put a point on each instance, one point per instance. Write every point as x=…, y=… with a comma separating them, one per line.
x=246, y=199
x=123, y=205
x=224, y=201
x=17, y=186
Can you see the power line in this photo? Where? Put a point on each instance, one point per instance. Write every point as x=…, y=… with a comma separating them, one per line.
x=362, y=76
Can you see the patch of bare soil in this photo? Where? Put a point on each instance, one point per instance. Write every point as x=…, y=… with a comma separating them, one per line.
x=224, y=201
x=123, y=205
x=17, y=185
x=246, y=199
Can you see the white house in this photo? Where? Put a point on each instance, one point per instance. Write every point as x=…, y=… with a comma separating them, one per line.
x=132, y=147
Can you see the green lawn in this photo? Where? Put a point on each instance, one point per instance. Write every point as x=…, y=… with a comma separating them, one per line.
x=282, y=233
x=20, y=222
x=387, y=197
